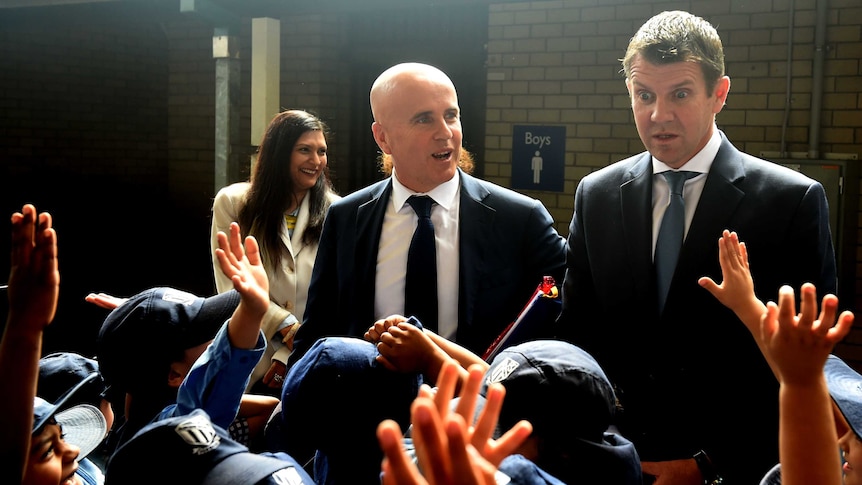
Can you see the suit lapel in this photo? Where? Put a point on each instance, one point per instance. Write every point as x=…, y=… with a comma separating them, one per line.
x=719, y=200
x=369, y=224
x=475, y=218
x=294, y=244
x=636, y=207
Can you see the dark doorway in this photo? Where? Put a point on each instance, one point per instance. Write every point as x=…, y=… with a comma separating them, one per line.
x=451, y=38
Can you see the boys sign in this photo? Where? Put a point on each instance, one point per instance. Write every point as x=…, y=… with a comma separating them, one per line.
x=538, y=157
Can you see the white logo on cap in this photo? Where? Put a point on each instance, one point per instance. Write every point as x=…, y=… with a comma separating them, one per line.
x=502, y=370
x=501, y=478
x=287, y=476
x=181, y=297
x=198, y=432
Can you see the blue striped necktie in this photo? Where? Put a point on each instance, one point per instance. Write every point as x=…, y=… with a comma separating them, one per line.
x=671, y=234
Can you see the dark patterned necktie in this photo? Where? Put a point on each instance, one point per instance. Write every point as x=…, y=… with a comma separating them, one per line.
x=420, y=293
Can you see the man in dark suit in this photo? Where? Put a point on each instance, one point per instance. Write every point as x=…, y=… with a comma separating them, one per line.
x=493, y=245
x=698, y=399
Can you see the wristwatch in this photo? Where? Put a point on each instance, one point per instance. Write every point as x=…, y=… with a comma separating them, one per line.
x=707, y=470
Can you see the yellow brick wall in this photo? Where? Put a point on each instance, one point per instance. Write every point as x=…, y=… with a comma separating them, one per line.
x=557, y=63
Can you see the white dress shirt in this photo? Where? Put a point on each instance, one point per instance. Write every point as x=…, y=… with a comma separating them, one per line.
x=399, y=222
x=692, y=189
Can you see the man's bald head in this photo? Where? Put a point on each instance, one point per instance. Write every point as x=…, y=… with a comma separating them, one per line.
x=417, y=125
x=387, y=81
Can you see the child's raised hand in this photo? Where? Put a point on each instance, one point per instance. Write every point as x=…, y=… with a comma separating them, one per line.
x=34, y=280
x=800, y=343
x=736, y=291
x=451, y=450
x=243, y=265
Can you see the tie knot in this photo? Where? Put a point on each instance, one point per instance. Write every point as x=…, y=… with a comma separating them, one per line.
x=421, y=204
x=675, y=180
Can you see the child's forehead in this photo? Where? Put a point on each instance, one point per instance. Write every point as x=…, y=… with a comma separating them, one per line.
x=49, y=426
x=46, y=434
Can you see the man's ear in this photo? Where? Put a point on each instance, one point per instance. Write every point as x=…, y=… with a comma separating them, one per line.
x=722, y=87
x=380, y=137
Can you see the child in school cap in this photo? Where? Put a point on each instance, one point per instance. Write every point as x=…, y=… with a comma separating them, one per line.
x=83, y=425
x=845, y=387
x=198, y=452
x=140, y=338
x=60, y=371
x=332, y=401
x=570, y=402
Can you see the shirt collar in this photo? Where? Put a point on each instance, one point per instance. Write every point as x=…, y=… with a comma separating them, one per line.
x=443, y=194
x=700, y=162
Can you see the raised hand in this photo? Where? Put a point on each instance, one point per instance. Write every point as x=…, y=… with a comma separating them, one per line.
x=243, y=265
x=480, y=433
x=800, y=343
x=34, y=280
x=736, y=290
x=451, y=451
x=34, y=285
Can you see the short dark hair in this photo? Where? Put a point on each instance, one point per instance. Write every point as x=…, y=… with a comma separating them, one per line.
x=677, y=36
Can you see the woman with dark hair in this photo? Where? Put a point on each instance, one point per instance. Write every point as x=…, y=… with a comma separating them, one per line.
x=283, y=207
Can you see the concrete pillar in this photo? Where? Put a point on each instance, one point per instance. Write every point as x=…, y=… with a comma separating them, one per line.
x=265, y=76
x=227, y=92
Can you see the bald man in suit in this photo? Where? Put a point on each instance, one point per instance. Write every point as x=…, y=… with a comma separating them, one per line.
x=493, y=245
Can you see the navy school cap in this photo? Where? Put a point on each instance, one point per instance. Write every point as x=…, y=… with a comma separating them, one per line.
x=845, y=387
x=570, y=402
x=83, y=425
x=60, y=371
x=558, y=387
x=334, y=397
x=139, y=338
x=521, y=471
x=200, y=453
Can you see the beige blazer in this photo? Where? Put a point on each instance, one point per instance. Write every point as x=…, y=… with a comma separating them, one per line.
x=288, y=284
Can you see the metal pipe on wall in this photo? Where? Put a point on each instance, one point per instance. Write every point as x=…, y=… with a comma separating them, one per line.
x=817, y=81
x=788, y=78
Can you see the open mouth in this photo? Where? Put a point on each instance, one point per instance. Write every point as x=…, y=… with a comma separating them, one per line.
x=442, y=155
x=309, y=171
x=70, y=479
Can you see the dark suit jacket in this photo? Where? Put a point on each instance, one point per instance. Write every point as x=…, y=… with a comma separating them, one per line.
x=691, y=378
x=507, y=244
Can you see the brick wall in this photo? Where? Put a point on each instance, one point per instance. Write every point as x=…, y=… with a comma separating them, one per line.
x=110, y=124
x=558, y=61
x=312, y=76
x=191, y=115
x=308, y=78
x=83, y=135
x=74, y=101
